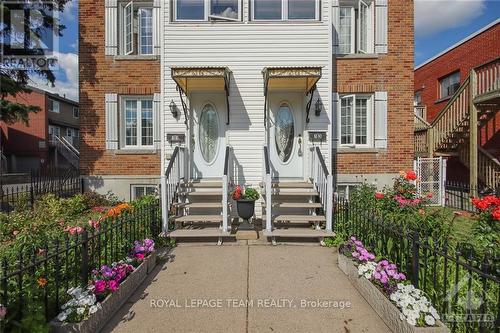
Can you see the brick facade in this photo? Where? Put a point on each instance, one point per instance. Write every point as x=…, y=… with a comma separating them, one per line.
x=476, y=51
x=100, y=74
x=391, y=72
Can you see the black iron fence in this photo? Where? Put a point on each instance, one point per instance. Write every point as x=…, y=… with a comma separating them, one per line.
x=464, y=286
x=34, y=281
x=458, y=195
x=60, y=182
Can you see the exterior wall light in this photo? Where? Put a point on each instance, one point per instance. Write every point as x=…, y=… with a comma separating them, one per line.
x=318, y=107
x=174, y=109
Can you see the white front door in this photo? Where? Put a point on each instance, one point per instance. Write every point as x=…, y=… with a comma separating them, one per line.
x=208, y=135
x=286, y=142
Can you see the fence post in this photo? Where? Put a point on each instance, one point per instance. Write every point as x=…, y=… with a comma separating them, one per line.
x=415, y=260
x=82, y=185
x=84, y=273
x=153, y=224
x=32, y=197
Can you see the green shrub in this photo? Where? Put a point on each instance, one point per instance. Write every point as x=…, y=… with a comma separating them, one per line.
x=251, y=194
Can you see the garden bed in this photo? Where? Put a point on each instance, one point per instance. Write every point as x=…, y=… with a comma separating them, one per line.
x=386, y=310
x=111, y=304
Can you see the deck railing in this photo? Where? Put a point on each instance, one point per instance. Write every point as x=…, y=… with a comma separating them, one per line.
x=267, y=182
x=454, y=115
x=488, y=166
x=323, y=183
x=176, y=171
x=420, y=111
x=488, y=77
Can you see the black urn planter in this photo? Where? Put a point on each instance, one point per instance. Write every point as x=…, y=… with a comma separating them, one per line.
x=246, y=209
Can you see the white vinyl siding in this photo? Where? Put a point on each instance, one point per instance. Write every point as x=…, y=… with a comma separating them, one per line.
x=76, y=112
x=252, y=46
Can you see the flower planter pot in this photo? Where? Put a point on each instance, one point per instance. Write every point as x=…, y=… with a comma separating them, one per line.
x=110, y=305
x=246, y=210
x=386, y=310
x=151, y=261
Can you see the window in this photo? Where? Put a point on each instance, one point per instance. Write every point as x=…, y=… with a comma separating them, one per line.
x=417, y=98
x=53, y=106
x=204, y=10
x=344, y=190
x=76, y=112
x=356, y=120
x=355, y=31
x=69, y=132
x=278, y=10
x=449, y=85
x=138, y=191
x=136, y=28
x=54, y=131
x=138, y=122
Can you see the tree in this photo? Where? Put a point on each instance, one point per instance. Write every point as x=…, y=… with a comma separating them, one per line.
x=15, y=81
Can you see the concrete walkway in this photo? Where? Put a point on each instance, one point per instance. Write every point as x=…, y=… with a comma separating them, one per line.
x=247, y=288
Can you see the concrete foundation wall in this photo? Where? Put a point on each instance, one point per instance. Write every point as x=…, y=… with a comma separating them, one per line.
x=120, y=186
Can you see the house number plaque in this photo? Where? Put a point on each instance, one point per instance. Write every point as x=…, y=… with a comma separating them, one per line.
x=317, y=137
x=176, y=138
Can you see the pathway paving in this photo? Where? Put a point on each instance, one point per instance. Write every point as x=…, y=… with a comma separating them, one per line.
x=247, y=288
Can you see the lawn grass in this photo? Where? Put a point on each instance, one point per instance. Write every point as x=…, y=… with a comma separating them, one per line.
x=462, y=225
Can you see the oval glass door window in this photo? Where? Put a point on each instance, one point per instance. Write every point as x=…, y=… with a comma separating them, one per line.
x=209, y=133
x=284, y=133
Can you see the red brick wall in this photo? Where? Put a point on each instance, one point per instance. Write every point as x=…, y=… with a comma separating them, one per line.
x=392, y=72
x=474, y=52
x=22, y=140
x=100, y=74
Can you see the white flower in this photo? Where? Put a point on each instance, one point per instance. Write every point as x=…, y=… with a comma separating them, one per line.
x=429, y=320
x=93, y=309
x=402, y=316
x=80, y=311
x=62, y=316
x=411, y=321
x=434, y=313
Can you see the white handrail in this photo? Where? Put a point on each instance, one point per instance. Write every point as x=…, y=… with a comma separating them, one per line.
x=226, y=179
x=268, y=189
x=323, y=183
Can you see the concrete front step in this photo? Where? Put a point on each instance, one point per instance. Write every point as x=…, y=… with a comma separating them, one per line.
x=199, y=233
x=300, y=193
x=294, y=205
x=198, y=218
x=210, y=193
x=203, y=184
x=298, y=233
x=200, y=205
x=302, y=219
x=276, y=184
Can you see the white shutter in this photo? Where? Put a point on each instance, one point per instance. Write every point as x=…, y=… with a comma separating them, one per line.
x=381, y=21
x=111, y=106
x=111, y=27
x=381, y=119
x=128, y=28
x=156, y=27
x=157, y=121
x=336, y=25
x=335, y=120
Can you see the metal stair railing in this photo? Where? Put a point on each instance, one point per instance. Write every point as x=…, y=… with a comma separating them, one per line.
x=174, y=174
x=323, y=183
x=67, y=150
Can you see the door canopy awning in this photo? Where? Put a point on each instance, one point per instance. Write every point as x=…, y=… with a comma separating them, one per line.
x=202, y=79
x=302, y=79
x=291, y=78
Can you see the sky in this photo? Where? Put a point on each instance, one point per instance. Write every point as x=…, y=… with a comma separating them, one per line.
x=438, y=25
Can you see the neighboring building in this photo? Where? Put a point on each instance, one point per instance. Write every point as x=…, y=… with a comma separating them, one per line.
x=202, y=86
x=50, y=139
x=440, y=80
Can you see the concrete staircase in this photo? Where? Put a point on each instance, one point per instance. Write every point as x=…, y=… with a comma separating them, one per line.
x=199, y=210
x=296, y=211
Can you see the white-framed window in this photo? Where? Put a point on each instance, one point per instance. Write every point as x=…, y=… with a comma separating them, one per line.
x=138, y=191
x=285, y=10
x=136, y=28
x=207, y=10
x=54, y=131
x=417, y=98
x=137, y=124
x=344, y=189
x=356, y=26
x=76, y=112
x=449, y=84
x=54, y=106
x=356, y=120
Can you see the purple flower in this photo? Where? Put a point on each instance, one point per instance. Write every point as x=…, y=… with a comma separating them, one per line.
x=355, y=254
x=384, y=263
x=377, y=275
x=106, y=272
x=3, y=311
x=100, y=286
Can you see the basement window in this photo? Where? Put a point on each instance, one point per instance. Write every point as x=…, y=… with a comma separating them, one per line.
x=139, y=191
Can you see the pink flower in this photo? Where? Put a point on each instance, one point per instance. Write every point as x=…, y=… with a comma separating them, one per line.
x=139, y=256
x=99, y=286
x=377, y=275
x=15, y=232
x=79, y=230
x=402, y=276
x=355, y=254
x=379, y=195
x=113, y=286
x=3, y=311
x=384, y=279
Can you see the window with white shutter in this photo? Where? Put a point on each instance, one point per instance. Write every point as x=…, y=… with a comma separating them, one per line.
x=381, y=119
x=111, y=27
x=355, y=119
x=354, y=26
x=381, y=26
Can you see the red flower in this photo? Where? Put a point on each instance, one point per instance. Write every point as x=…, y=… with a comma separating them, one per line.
x=237, y=193
x=429, y=195
x=496, y=214
x=379, y=195
x=411, y=175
